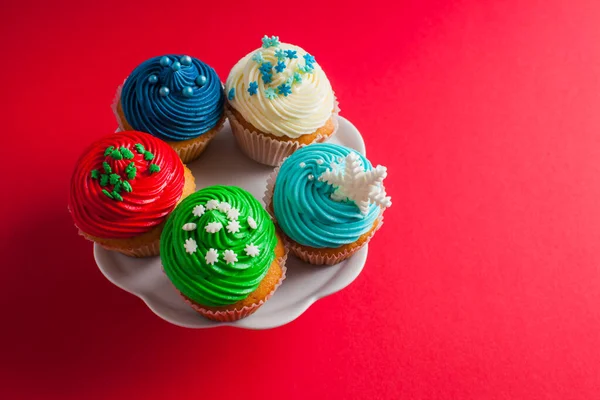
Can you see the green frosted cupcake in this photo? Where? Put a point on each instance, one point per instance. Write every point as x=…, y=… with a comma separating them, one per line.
x=220, y=250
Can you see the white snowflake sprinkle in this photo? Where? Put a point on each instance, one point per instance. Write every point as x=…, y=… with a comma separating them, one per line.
x=252, y=223
x=213, y=227
x=251, y=250
x=190, y=246
x=230, y=257
x=233, y=226
x=224, y=207
x=198, y=210
x=234, y=213
x=212, y=204
x=211, y=256
x=354, y=183
x=190, y=226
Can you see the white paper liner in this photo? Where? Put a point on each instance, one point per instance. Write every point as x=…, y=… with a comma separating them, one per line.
x=266, y=150
x=115, y=104
x=234, y=315
x=313, y=257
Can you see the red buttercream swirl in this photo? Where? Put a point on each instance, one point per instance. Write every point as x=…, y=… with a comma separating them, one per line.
x=153, y=195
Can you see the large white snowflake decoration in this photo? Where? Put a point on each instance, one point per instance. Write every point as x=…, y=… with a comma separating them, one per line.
x=233, y=226
x=251, y=250
x=190, y=226
x=190, y=246
x=230, y=257
x=211, y=256
x=354, y=183
x=224, y=207
x=213, y=227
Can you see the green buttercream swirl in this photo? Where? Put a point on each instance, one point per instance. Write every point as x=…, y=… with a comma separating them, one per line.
x=221, y=283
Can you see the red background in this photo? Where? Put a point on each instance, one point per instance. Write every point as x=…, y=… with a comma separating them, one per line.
x=484, y=282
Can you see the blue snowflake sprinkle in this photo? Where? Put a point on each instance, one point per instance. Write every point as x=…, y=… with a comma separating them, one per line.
x=309, y=59
x=280, y=66
x=231, y=94
x=252, y=88
x=270, y=93
x=267, y=78
x=272, y=41
x=291, y=54
x=258, y=57
x=284, y=89
x=265, y=68
x=297, y=77
x=308, y=68
x=280, y=54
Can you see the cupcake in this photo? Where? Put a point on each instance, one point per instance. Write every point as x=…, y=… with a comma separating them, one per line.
x=122, y=190
x=220, y=250
x=178, y=99
x=328, y=201
x=279, y=99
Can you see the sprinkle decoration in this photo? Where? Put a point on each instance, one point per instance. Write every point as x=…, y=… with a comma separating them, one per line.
x=280, y=54
x=109, y=176
x=252, y=88
x=284, y=89
x=258, y=57
x=270, y=93
x=291, y=54
x=272, y=41
x=280, y=67
x=352, y=182
x=233, y=226
x=231, y=94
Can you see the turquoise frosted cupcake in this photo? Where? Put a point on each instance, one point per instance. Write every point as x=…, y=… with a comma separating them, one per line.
x=176, y=98
x=328, y=201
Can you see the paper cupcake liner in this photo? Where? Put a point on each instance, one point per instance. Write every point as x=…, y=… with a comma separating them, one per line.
x=316, y=257
x=313, y=257
x=266, y=150
x=146, y=250
x=114, y=107
x=234, y=315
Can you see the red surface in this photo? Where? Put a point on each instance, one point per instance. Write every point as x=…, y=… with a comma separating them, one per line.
x=484, y=282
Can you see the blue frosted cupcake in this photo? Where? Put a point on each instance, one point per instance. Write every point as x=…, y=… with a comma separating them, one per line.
x=178, y=99
x=328, y=200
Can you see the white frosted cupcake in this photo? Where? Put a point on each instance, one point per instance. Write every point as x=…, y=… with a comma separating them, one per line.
x=279, y=99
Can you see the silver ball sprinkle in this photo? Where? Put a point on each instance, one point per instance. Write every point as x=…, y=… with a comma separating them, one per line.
x=320, y=161
x=165, y=61
x=164, y=91
x=186, y=60
x=152, y=79
x=176, y=66
x=200, y=80
x=302, y=164
x=187, y=91
x=311, y=177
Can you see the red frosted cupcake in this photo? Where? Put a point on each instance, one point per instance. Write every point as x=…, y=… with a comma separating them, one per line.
x=122, y=190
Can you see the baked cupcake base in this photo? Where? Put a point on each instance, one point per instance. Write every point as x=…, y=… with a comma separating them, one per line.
x=248, y=306
x=188, y=150
x=146, y=244
x=269, y=149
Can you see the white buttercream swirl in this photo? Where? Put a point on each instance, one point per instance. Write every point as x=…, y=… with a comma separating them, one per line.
x=302, y=112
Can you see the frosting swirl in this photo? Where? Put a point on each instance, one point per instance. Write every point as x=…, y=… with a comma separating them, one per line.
x=174, y=100
x=120, y=191
x=308, y=105
x=303, y=203
x=218, y=245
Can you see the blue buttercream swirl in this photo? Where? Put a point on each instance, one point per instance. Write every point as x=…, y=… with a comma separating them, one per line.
x=303, y=207
x=176, y=116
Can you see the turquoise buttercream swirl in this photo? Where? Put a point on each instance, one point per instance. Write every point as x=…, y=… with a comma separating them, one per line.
x=175, y=116
x=303, y=206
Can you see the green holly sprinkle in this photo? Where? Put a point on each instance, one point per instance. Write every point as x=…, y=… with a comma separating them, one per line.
x=103, y=180
x=154, y=168
x=148, y=156
x=126, y=153
x=114, y=178
x=95, y=174
x=131, y=171
x=118, y=187
x=116, y=196
x=140, y=148
x=107, y=193
x=108, y=150
x=127, y=186
x=106, y=167
x=116, y=154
